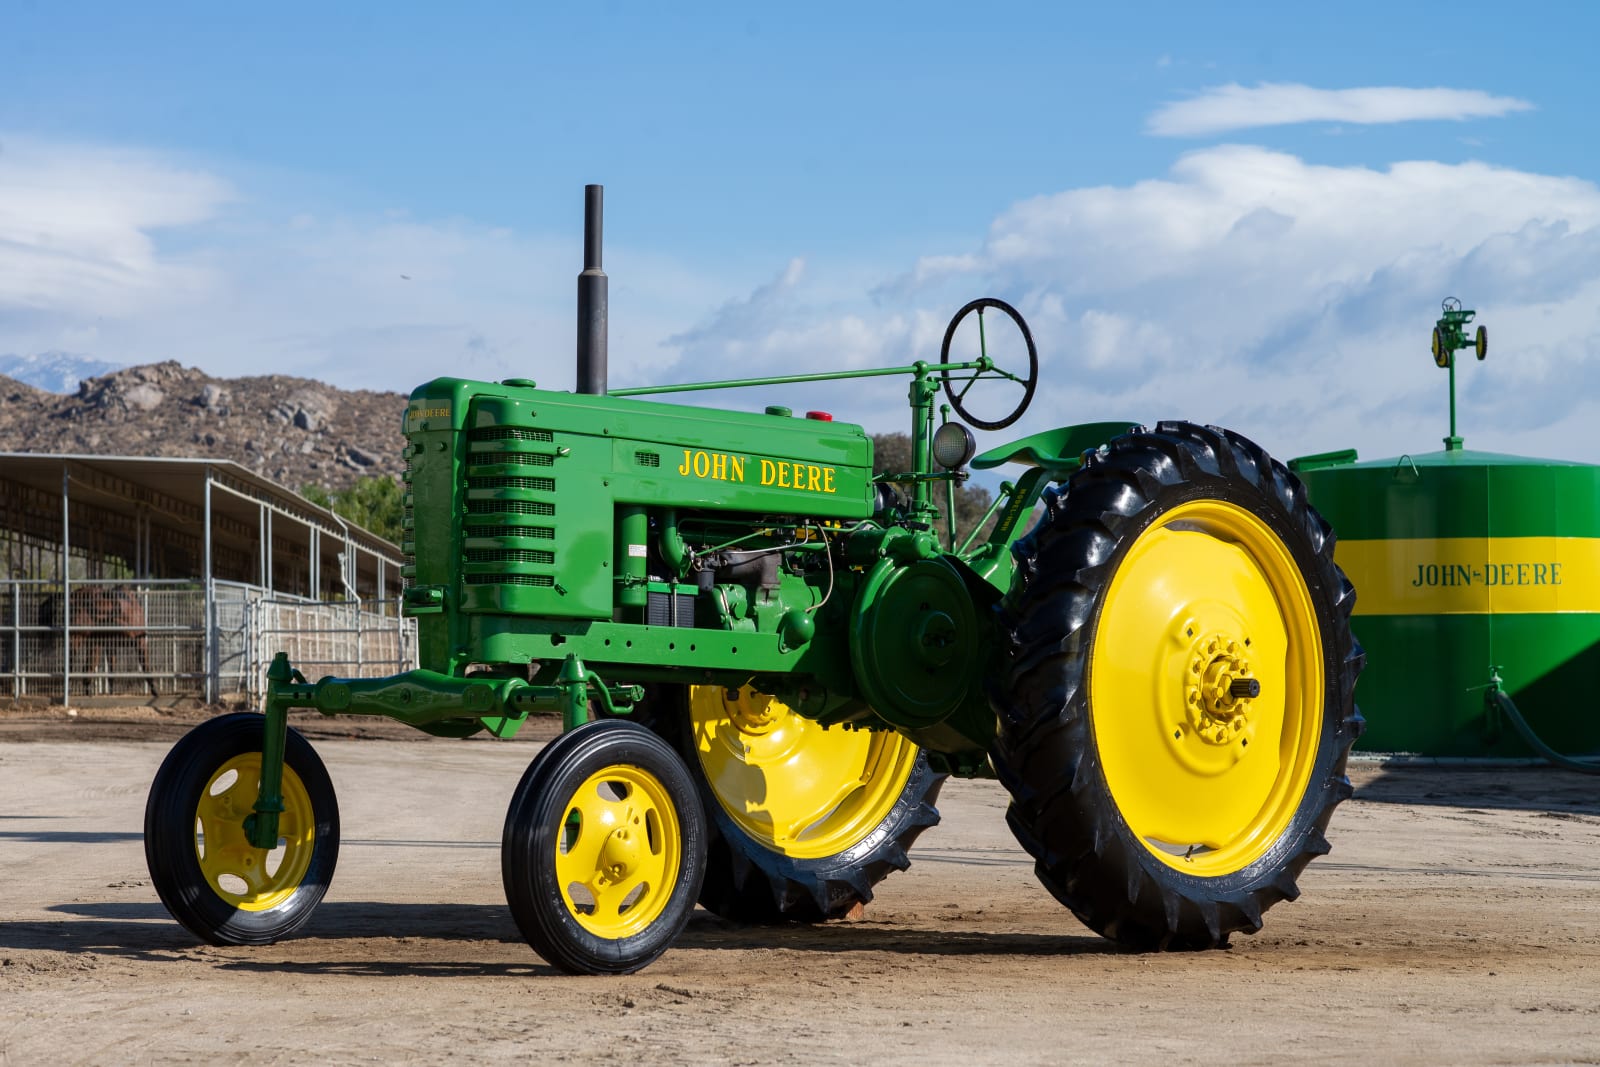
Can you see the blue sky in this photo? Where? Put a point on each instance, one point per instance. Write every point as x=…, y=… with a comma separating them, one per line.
x=1245, y=218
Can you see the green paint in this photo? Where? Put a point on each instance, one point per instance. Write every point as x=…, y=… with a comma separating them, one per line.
x=1422, y=690
x=545, y=530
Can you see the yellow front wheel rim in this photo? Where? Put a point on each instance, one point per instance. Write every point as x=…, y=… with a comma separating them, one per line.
x=619, y=851
x=790, y=785
x=250, y=878
x=1206, y=688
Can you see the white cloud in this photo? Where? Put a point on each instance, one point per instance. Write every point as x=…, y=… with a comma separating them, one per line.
x=77, y=226
x=1289, y=300
x=1237, y=107
x=133, y=257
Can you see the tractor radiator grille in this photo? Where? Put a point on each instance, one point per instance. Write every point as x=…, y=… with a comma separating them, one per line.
x=510, y=433
x=542, y=533
x=537, y=485
x=499, y=506
x=510, y=507
x=542, y=580
x=510, y=555
x=525, y=459
x=408, y=532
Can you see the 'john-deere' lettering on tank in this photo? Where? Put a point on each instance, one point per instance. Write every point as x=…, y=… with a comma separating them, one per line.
x=767, y=659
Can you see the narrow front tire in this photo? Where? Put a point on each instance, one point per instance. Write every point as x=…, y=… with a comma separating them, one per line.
x=604, y=849
x=222, y=888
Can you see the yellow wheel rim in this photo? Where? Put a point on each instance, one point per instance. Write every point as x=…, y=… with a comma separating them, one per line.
x=1206, y=688
x=789, y=784
x=250, y=878
x=619, y=851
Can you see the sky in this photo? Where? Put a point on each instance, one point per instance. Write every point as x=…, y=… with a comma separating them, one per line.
x=1244, y=215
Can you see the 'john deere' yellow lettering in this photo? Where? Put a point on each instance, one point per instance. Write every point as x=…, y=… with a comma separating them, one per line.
x=712, y=466
x=807, y=477
x=781, y=474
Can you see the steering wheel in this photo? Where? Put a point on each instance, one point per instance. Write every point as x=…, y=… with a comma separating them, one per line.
x=966, y=379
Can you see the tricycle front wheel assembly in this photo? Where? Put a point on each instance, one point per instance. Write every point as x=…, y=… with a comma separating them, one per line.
x=212, y=879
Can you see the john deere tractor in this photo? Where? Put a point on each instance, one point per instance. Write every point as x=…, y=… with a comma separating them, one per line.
x=767, y=660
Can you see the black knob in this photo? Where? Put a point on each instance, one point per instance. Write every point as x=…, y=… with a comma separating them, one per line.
x=1244, y=687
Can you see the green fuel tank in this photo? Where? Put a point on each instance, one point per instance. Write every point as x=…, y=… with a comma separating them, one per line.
x=1463, y=561
x=1467, y=564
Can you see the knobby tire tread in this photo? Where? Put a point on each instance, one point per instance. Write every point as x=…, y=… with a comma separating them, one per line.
x=750, y=883
x=1061, y=812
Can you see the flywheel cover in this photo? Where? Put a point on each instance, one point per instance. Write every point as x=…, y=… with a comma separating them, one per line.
x=914, y=641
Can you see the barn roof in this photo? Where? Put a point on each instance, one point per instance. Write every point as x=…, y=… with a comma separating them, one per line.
x=170, y=493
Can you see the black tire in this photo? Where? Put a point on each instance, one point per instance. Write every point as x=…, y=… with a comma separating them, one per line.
x=195, y=786
x=572, y=925
x=749, y=881
x=1129, y=887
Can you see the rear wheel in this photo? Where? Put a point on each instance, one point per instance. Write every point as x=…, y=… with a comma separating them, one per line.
x=204, y=868
x=1180, y=696
x=804, y=821
x=604, y=849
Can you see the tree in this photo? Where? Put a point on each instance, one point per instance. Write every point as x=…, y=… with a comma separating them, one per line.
x=892, y=455
x=377, y=504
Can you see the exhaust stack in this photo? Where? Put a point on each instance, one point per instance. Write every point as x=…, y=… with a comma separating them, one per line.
x=592, y=298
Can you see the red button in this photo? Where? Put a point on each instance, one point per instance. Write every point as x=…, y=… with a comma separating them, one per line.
x=820, y=416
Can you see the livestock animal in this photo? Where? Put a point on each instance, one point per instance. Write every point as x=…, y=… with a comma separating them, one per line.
x=103, y=616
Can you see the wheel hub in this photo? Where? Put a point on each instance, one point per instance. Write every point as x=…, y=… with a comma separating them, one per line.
x=751, y=712
x=1219, y=688
x=619, y=855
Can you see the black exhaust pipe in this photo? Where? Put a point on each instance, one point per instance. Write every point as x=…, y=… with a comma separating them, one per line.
x=592, y=298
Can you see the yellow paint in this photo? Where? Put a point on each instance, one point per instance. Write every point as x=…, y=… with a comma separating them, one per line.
x=1206, y=594
x=1473, y=575
x=250, y=878
x=782, y=474
x=789, y=784
x=417, y=414
x=619, y=852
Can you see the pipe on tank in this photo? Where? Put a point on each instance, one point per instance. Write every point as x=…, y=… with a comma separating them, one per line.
x=1497, y=698
x=592, y=299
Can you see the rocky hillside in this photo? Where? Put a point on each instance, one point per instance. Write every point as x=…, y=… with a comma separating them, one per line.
x=292, y=430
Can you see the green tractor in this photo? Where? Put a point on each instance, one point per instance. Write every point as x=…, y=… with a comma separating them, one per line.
x=767, y=660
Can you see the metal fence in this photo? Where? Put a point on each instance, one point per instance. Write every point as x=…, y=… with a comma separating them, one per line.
x=348, y=638
x=101, y=638
x=145, y=639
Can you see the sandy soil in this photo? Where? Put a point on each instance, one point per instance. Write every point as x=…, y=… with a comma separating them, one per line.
x=1457, y=921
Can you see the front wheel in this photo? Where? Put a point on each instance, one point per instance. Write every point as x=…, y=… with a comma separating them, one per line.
x=604, y=849
x=211, y=878
x=1179, y=701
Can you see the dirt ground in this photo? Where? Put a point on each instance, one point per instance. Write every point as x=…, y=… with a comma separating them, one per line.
x=1457, y=921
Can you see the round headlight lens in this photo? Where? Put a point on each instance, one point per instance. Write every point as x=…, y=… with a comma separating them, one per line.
x=953, y=445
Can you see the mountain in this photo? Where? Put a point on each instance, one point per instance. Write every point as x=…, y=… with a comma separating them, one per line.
x=292, y=430
x=54, y=372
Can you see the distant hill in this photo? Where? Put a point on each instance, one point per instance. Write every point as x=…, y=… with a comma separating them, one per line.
x=292, y=430
x=54, y=372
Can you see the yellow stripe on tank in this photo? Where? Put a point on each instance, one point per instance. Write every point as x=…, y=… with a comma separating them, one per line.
x=1473, y=575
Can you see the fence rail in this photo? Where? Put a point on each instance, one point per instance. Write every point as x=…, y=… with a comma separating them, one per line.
x=151, y=638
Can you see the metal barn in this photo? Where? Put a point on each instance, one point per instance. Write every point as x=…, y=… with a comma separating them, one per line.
x=139, y=579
